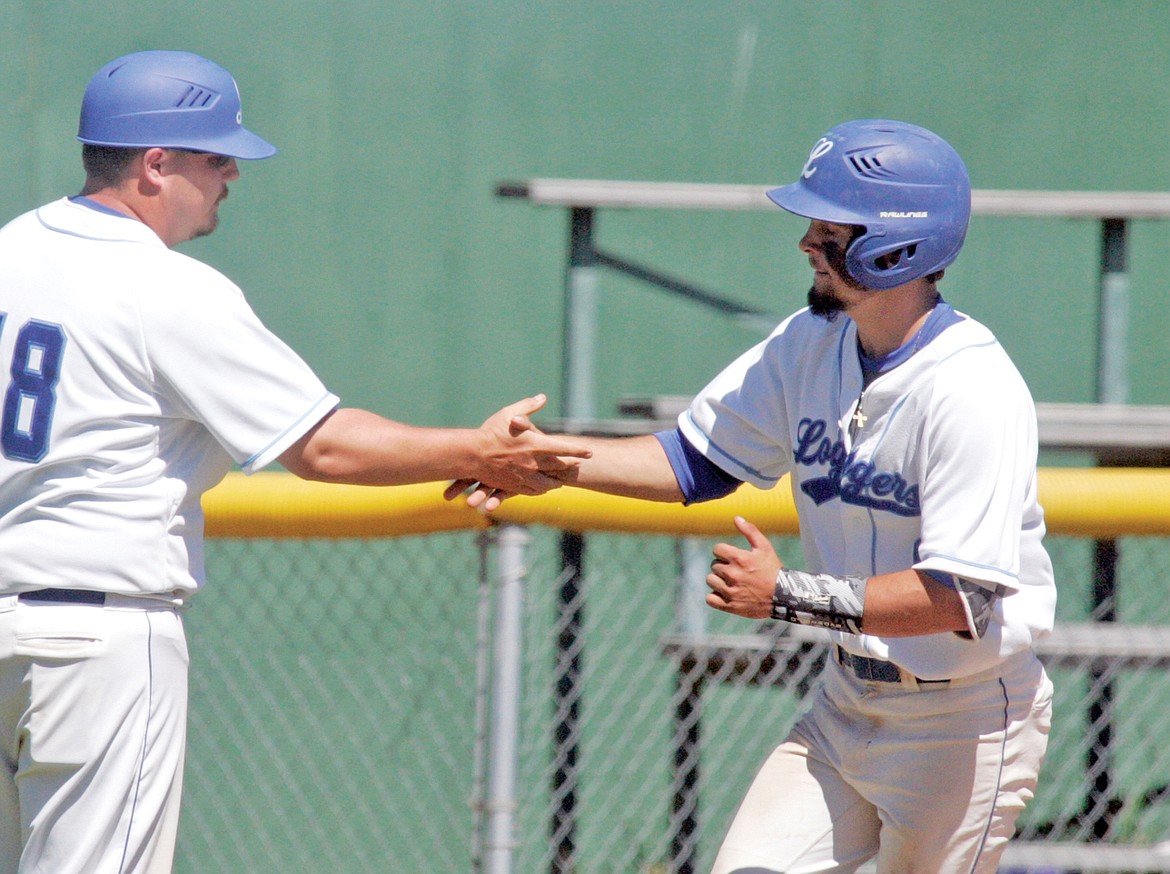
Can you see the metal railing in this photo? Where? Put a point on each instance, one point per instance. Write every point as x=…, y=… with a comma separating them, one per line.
x=584, y=199
x=629, y=642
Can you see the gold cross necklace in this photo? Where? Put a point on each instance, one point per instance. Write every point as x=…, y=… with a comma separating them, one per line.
x=859, y=418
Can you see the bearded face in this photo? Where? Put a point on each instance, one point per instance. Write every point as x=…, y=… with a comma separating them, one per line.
x=824, y=298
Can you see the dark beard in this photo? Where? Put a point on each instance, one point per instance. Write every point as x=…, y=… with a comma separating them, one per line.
x=825, y=303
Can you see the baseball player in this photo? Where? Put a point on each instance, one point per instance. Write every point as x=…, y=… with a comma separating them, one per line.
x=910, y=439
x=136, y=376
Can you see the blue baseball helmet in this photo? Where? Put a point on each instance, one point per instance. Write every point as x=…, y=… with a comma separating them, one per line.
x=175, y=100
x=903, y=184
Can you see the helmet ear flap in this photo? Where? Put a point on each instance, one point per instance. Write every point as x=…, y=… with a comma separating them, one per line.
x=878, y=262
x=891, y=259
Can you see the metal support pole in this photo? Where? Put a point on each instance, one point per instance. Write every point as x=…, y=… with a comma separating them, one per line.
x=567, y=703
x=483, y=646
x=1112, y=388
x=1101, y=803
x=684, y=813
x=579, y=409
x=691, y=621
x=691, y=610
x=505, y=704
x=1113, y=316
x=580, y=404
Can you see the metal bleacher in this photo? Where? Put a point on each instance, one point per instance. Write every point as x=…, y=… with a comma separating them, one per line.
x=1111, y=432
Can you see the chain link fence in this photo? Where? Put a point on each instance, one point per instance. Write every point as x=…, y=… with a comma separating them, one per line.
x=339, y=701
x=333, y=697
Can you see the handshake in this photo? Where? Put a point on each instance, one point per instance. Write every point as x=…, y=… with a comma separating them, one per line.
x=517, y=458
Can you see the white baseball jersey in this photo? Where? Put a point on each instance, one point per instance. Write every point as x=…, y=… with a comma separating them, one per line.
x=940, y=475
x=137, y=376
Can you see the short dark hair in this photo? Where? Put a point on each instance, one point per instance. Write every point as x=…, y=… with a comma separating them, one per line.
x=106, y=166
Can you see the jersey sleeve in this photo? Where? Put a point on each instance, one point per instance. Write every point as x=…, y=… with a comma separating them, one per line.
x=216, y=363
x=739, y=420
x=980, y=454
x=698, y=476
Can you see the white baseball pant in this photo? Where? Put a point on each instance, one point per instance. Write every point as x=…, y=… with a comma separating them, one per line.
x=927, y=779
x=93, y=711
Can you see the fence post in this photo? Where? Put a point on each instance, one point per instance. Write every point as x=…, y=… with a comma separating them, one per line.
x=1112, y=388
x=512, y=544
x=690, y=622
x=580, y=337
x=579, y=408
x=484, y=542
x=567, y=694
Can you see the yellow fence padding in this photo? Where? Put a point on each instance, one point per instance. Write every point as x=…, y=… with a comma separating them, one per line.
x=1106, y=502
x=273, y=505
x=579, y=510
x=1080, y=502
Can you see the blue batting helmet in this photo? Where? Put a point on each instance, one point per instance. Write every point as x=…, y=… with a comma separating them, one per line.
x=175, y=100
x=905, y=185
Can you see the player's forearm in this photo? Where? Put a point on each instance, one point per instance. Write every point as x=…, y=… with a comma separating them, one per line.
x=902, y=604
x=753, y=583
x=634, y=467
x=361, y=448
x=909, y=603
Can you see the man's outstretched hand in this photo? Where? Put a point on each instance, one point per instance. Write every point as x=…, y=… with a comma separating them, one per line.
x=517, y=458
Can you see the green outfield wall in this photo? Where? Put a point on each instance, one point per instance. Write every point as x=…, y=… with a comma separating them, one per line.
x=334, y=685
x=374, y=242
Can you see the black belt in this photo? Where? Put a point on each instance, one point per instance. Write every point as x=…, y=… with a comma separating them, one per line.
x=63, y=596
x=875, y=670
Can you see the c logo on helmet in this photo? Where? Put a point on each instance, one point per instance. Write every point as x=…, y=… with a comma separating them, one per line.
x=823, y=147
